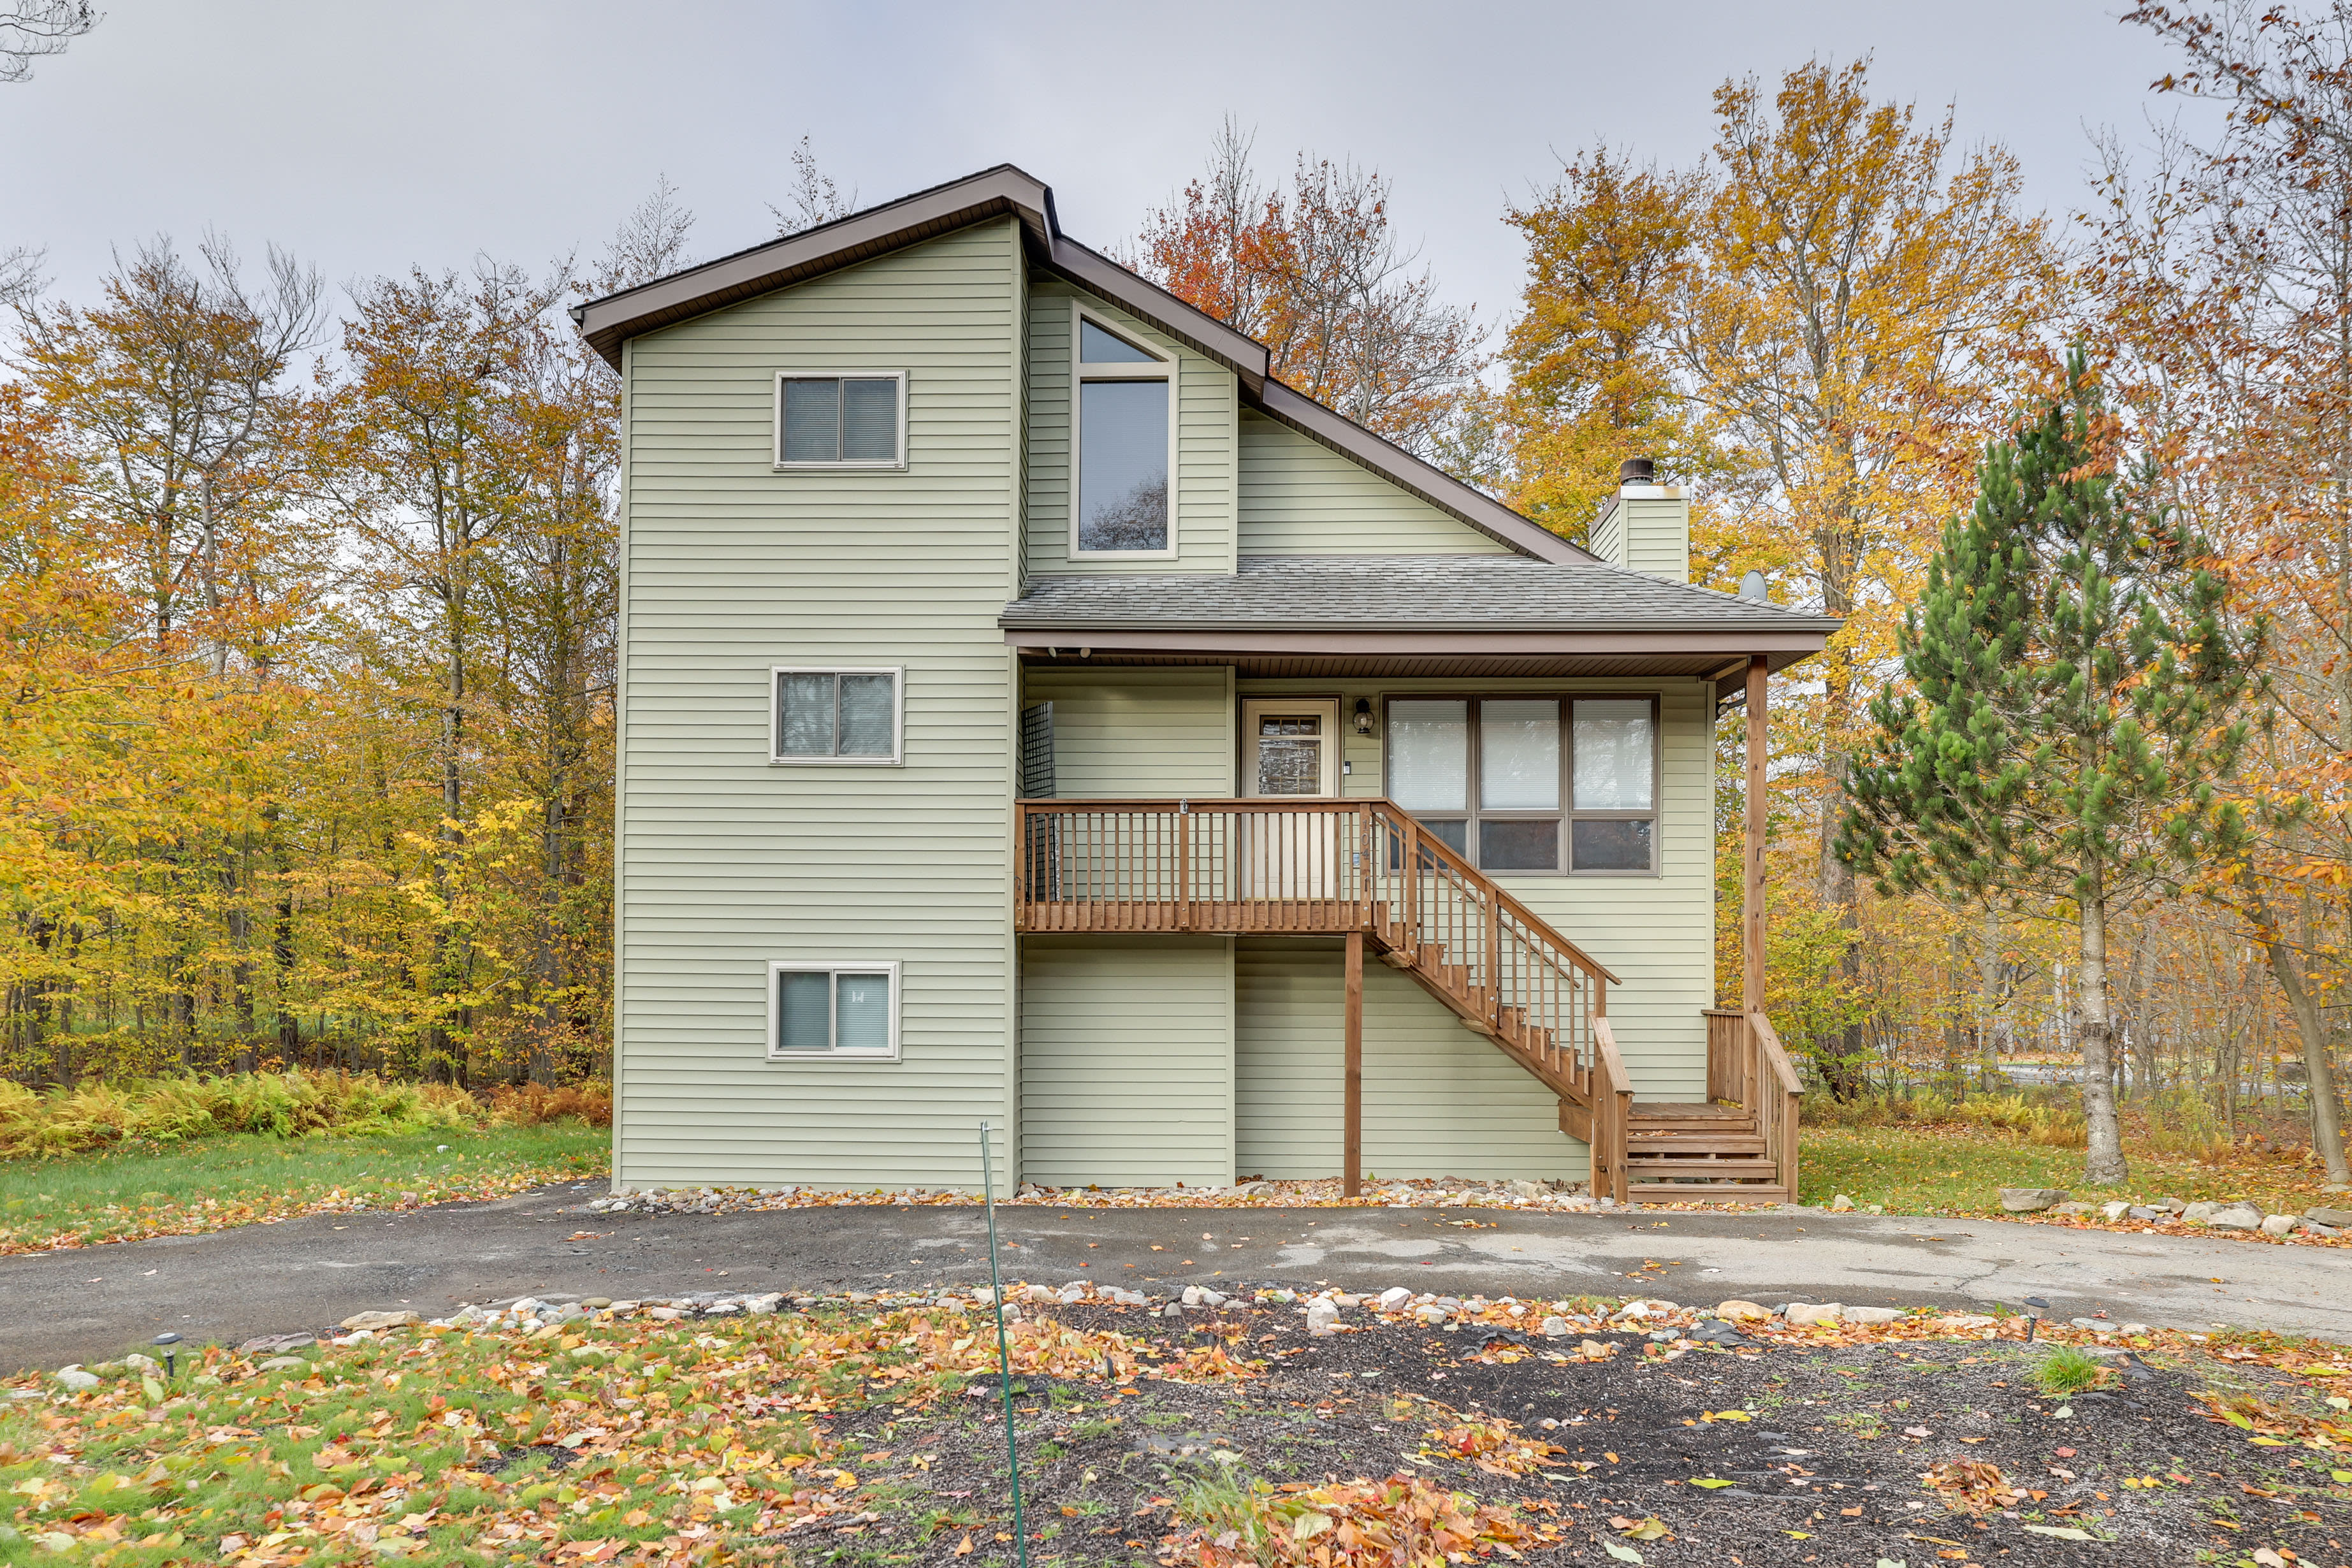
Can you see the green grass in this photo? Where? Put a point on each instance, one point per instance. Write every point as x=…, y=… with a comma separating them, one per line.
x=236, y=1180
x=2067, y=1370
x=1960, y=1170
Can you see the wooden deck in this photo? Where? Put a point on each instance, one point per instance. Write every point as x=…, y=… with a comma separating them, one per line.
x=1366, y=871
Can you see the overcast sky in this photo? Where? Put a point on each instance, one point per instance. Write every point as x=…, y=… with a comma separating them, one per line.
x=368, y=136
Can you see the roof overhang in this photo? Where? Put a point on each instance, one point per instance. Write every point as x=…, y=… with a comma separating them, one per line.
x=1697, y=654
x=1006, y=191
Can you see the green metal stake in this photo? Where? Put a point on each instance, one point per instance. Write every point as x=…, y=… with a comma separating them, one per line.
x=1003, y=1351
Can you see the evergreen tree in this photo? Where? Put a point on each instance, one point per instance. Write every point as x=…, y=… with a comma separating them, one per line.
x=2073, y=673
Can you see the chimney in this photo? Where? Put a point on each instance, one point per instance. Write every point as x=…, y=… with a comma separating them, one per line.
x=1645, y=526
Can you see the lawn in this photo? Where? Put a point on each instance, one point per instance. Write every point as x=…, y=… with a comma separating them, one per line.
x=1227, y=1437
x=143, y=1189
x=1959, y=1170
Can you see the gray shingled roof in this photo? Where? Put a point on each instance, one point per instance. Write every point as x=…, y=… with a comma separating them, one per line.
x=1453, y=593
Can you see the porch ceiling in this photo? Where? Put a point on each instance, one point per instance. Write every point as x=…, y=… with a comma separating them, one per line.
x=1696, y=665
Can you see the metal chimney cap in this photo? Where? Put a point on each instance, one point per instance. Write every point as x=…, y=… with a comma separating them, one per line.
x=1637, y=471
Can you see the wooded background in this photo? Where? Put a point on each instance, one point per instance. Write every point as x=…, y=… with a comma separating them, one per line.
x=306, y=598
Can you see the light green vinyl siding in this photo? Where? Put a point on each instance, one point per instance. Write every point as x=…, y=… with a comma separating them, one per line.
x=1208, y=402
x=1139, y=732
x=728, y=862
x=1656, y=933
x=1127, y=1061
x=1648, y=533
x=1300, y=498
x=1438, y=1099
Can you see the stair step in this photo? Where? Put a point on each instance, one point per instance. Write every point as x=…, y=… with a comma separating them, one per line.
x=1749, y=1143
x=1715, y=1170
x=1704, y=1193
x=1697, y=1111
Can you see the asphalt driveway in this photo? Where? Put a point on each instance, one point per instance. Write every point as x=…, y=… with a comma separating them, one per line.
x=93, y=1303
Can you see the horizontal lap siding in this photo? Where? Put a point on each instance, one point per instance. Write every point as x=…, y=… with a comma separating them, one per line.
x=1655, y=933
x=729, y=862
x=1300, y=498
x=1127, y=1061
x=1438, y=1099
x=1147, y=732
x=1207, y=408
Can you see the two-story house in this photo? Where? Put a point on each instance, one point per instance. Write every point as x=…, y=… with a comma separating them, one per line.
x=1031, y=709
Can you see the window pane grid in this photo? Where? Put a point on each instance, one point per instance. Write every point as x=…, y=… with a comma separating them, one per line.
x=1490, y=777
x=837, y=1010
x=839, y=419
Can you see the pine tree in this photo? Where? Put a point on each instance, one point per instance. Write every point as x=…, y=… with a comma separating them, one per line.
x=2073, y=674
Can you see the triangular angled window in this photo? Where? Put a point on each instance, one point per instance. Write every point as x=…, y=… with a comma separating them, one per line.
x=1099, y=346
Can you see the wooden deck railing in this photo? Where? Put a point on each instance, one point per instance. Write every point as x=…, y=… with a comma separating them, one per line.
x=1612, y=1114
x=1747, y=1063
x=1313, y=868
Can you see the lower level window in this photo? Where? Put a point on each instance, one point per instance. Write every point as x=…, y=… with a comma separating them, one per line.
x=1531, y=783
x=832, y=1009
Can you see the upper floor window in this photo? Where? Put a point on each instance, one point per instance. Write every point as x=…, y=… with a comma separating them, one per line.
x=837, y=715
x=1121, y=400
x=845, y=421
x=1531, y=783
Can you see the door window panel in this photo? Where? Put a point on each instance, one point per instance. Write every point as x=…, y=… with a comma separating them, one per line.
x=1290, y=753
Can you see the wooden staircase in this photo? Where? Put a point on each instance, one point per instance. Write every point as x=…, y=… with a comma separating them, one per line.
x=1371, y=871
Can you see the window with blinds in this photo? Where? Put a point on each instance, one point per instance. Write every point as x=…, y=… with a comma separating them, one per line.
x=841, y=421
x=1531, y=784
x=821, y=1009
x=837, y=715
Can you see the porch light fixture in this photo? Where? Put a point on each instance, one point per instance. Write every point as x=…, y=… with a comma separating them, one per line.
x=1364, y=716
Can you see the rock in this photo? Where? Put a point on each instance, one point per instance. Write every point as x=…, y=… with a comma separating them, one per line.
x=595, y=1303
x=2277, y=1224
x=2198, y=1212
x=1477, y=1306
x=1430, y=1313
x=1631, y=1311
x=75, y=1378
x=1802, y=1313
x=380, y=1320
x=2115, y=1211
x=1193, y=1295
x=1528, y=1191
x=1742, y=1313
x=1841, y=1203
x=2340, y=1219
x=664, y=1314
x=762, y=1305
x=2141, y=1211
x=2313, y=1228
x=2235, y=1216
x=1174, y=1310
x=2073, y=1210
x=269, y=1342
x=1965, y=1322
x=1553, y=1327
x=138, y=1362
x=1322, y=1317
x=2032, y=1199
x=282, y=1363
x=1873, y=1317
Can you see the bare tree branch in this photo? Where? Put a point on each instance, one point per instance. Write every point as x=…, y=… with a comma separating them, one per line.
x=32, y=28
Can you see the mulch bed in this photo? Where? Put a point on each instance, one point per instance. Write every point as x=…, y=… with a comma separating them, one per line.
x=1818, y=1445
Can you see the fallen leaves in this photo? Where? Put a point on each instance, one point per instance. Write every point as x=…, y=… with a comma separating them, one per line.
x=1360, y=1523
x=1494, y=1447
x=1974, y=1486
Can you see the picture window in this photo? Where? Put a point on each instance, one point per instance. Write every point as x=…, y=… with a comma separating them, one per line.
x=1122, y=408
x=1531, y=784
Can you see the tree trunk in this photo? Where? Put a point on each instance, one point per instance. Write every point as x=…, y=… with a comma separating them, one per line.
x=2103, y=1162
x=2319, y=1073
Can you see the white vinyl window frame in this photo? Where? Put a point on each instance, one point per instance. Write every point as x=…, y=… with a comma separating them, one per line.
x=836, y=465
x=1163, y=367
x=776, y=757
x=833, y=969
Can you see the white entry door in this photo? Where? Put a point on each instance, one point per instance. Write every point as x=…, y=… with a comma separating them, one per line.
x=1290, y=750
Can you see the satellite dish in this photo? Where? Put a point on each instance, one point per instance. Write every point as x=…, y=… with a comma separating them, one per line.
x=1752, y=587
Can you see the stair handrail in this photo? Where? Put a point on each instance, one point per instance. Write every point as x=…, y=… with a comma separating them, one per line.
x=1612, y=1110
x=1445, y=854
x=1778, y=1094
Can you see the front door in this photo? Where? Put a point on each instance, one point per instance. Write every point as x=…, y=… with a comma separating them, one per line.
x=1290, y=750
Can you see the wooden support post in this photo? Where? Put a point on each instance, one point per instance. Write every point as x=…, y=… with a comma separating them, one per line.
x=1353, y=1116
x=1751, y=979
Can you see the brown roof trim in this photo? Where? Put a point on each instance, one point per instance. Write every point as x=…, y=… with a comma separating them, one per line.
x=607, y=322
x=1782, y=648
x=1465, y=503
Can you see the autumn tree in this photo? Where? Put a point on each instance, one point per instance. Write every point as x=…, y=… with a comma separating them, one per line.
x=2224, y=285
x=2071, y=672
x=1317, y=273
x=1593, y=376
